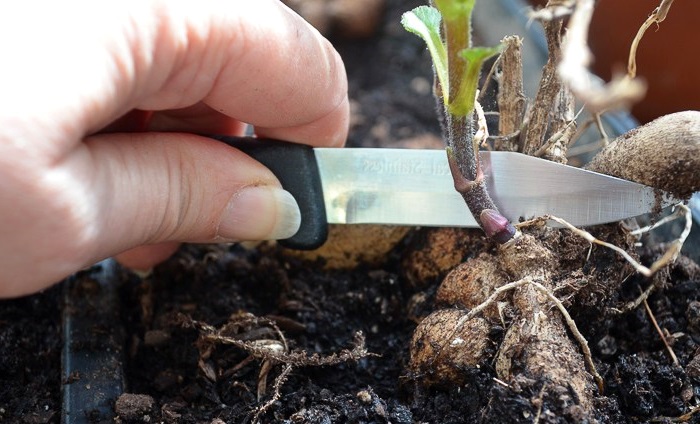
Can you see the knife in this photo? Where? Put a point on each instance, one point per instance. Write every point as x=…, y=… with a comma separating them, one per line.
x=414, y=187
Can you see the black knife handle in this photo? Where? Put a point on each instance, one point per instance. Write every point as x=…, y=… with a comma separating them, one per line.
x=295, y=166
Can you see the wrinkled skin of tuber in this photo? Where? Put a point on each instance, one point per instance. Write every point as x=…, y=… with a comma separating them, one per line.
x=663, y=154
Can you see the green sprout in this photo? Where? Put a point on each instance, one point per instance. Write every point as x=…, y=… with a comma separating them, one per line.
x=445, y=26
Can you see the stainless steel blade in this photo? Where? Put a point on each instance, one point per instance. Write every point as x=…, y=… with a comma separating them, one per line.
x=414, y=187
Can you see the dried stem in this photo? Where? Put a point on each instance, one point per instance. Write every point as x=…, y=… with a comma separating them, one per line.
x=657, y=16
x=573, y=69
x=511, y=95
x=563, y=128
x=549, y=88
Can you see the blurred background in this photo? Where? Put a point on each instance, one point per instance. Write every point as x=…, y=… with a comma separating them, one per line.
x=667, y=57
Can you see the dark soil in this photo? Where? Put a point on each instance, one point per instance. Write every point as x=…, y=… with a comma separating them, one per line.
x=320, y=311
x=30, y=354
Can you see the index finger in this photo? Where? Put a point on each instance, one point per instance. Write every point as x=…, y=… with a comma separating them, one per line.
x=254, y=61
x=263, y=65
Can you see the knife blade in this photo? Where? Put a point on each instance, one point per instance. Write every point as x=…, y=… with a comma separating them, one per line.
x=415, y=188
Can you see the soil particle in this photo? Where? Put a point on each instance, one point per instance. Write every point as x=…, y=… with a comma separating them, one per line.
x=323, y=406
x=641, y=382
x=155, y=338
x=692, y=314
x=30, y=352
x=134, y=407
x=693, y=368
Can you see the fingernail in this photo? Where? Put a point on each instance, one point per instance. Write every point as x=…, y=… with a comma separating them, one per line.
x=260, y=213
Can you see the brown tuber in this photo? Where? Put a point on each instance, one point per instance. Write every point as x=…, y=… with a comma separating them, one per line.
x=663, y=154
x=470, y=283
x=440, y=355
x=446, y=344
x=433, y=252
x=350, y=245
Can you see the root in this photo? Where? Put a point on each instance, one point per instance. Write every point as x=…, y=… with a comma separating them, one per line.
x=276, y=395
x=657, y=16
x=573, y=68
x=667, y=258
x=295, y=358
x=670, y=351
x=682, y=419
x=630, y=306
x=241, y=332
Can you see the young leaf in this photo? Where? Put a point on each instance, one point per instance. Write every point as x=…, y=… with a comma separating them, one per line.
x=463, y=103
x=424, y=21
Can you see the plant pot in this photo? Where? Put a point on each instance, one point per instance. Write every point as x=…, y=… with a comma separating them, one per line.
x=188, y=379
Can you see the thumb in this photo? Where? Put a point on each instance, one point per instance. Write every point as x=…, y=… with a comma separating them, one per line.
x=164, y=187
x=144, y=258
x=118, y=191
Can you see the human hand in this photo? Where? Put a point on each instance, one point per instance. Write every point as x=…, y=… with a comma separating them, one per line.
x=87, y=173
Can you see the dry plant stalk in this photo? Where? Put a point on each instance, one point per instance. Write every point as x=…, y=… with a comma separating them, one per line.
x=562, y=128
x=555, y=9
x=550, y=124
x=549, y=88
x=656, y=17
x=573, y=68
x=511, y=95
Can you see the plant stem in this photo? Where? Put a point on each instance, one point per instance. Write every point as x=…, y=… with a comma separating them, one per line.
x=465, y=166
x=456, y=40
x=446, y=28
